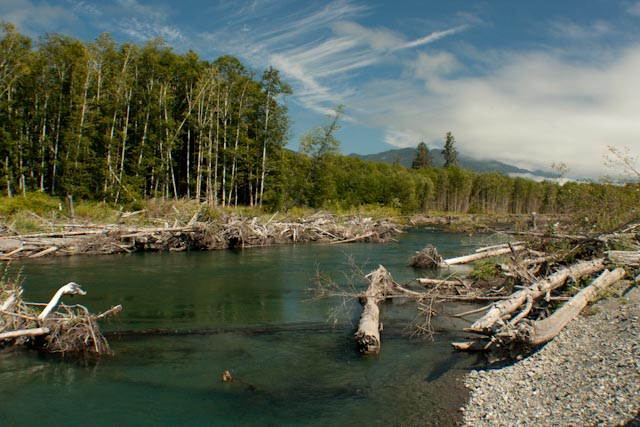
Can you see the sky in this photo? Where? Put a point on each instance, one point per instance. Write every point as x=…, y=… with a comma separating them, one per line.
x=530, y=83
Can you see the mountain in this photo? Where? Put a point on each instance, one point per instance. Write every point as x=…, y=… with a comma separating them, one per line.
x=405, y=156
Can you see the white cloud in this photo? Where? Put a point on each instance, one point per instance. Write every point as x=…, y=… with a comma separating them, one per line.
x=34, y=17
x=429, y=66
x=436, y=35
x=379, y=39
x=634, y=9
x=534, y=109
x=401, y=138
x=572, y=30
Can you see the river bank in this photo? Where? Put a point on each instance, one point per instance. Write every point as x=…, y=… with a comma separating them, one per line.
x=588, y=375
x=226, y=232
x=192, y=228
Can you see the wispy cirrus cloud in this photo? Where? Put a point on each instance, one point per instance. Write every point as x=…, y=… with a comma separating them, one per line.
x=141, y=21
x=319, y=48
x=436, y=35
x=572, y=30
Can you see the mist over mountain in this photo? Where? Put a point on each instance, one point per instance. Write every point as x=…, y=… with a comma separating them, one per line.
x=405, y=157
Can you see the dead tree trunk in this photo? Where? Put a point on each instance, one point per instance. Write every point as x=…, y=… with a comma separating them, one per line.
x=368, y=333
x=499, y=310
x=538, y=333
x=630, y=258
x=479, y=255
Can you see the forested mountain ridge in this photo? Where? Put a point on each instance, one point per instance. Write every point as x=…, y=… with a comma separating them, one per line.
x=405, y=156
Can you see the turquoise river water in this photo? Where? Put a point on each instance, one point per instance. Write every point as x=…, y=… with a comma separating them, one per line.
x=249, y=313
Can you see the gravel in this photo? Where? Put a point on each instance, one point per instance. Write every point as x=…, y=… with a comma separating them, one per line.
x=589, y=375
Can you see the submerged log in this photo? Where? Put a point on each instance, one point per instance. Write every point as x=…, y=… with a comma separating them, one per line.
x=538, y=333
x=368, y=333
x=499, y=310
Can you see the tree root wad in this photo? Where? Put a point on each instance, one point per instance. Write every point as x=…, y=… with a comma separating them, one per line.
x=69, y=330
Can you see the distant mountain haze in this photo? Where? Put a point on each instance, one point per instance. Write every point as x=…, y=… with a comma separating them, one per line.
x=405, y=157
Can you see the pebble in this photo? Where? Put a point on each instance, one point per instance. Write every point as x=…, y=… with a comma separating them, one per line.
x=587, y=375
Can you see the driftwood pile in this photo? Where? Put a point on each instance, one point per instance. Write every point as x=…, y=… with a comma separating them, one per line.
x=523, y=320
x=67, y=330
x=231, y=231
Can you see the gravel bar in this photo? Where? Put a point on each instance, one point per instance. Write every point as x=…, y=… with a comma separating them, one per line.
x=589, y=375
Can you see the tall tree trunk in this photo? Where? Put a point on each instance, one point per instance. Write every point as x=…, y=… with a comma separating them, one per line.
x=264, y=146
x=234, y=165
x=125, y=131
x=82, y=116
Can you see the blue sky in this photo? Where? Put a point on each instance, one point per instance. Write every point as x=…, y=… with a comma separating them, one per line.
x=524, y=82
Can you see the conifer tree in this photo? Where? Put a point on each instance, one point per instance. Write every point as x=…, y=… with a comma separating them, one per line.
x=449, y=152
x=423, y=157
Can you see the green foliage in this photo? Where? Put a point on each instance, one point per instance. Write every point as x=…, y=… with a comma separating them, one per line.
x=484, y=270
x=123, y=123
x=91, y=211
x=449, y=151
x=38, y=203
x=423, y=158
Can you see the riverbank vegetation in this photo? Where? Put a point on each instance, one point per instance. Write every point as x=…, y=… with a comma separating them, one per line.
x=106, y=128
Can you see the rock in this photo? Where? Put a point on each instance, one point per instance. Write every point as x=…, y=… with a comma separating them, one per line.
x=588, y=375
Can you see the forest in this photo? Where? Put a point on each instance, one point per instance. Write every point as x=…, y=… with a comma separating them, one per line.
x=121, y=123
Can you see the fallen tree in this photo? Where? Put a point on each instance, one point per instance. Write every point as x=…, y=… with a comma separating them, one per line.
x=540, y=332
x=368, y=333
x=481, y=255
x=503, y=308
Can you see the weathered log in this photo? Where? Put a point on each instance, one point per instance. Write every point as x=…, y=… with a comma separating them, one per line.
x=501, y=246
x=479, y=255
x=474, y=345
x=70, y=288
x=538, y=333
x=33, y=332
x=60, y=234
x=443, y=282
x=368, y=333
x=44, y=252
x=536, y=290
x=630, y=258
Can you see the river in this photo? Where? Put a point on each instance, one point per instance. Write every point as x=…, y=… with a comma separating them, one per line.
x=251, y=315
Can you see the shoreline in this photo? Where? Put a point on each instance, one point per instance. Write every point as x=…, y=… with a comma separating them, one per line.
x=132, y=234
x=229, y=232
x=588, y=375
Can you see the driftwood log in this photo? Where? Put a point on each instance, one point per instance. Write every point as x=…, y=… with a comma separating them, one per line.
x=486, y=323
x=367, y=336
x=630, y=258
x=481, y=255
x=540, y=332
